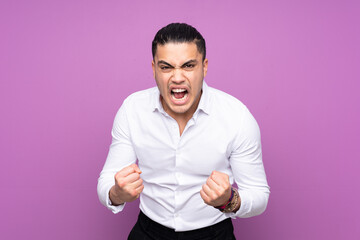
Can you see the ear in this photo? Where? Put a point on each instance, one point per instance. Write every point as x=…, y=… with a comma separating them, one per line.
x=205, y=66
x=153, y=67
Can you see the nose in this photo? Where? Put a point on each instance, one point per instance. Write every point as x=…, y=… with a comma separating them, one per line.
x=178, y=75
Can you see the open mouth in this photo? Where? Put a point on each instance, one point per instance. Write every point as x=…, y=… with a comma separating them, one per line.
x=179, y=94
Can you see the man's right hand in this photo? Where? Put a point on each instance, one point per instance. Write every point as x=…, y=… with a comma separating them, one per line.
x=128, y=185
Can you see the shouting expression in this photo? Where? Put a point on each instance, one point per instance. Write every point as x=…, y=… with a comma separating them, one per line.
x=179, y=72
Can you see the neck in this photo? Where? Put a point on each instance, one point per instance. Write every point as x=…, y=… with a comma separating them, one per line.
x=182, y=118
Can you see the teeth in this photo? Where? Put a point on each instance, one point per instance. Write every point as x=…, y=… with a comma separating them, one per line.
x=177, y=90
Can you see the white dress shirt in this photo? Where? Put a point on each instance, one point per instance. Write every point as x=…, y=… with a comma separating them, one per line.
x=222, y=135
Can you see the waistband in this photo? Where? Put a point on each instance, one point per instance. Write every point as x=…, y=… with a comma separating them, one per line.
x=146, y=222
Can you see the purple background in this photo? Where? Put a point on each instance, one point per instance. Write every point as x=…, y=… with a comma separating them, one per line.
x=66, y=67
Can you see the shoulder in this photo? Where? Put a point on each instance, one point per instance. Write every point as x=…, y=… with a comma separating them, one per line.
x=142, y=96
x=144, y=100
x=139, y=102
x=226, y=102
x=232, y=111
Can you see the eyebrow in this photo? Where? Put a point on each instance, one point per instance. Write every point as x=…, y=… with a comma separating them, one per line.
x=168, y=64
x=163, y=62
x=190, y=61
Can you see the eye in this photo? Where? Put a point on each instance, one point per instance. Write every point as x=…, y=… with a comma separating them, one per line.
x=164, y=67
x=189, y=66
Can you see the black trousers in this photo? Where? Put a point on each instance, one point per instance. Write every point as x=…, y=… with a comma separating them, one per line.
x=147, y=229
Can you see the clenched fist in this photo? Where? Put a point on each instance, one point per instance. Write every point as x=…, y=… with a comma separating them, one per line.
x=128, y=185
x=217, y=189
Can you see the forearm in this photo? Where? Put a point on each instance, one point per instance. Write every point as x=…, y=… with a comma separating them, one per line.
x=115, y=199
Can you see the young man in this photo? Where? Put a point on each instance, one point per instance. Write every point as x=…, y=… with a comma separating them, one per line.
x=191, y=142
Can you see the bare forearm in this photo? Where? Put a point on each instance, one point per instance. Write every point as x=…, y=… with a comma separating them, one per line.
x=114, y=198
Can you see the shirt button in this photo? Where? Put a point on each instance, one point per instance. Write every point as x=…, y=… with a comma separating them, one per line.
x=178, y=175
x=176, y=215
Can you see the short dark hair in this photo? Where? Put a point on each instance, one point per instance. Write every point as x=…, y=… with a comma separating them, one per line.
x=179, y=33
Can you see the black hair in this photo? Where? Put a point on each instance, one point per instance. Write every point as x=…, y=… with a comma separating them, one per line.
x=179, y=33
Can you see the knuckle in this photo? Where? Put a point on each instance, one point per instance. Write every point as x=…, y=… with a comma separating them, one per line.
x=117, y=176
x=121, y=184
x=219, y=192
x=213, y=196
x=134, y=193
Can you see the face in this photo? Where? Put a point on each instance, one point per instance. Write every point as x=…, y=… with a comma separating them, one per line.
x=179, y=72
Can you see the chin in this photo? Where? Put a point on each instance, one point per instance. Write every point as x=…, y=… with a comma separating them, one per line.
x=179, y=109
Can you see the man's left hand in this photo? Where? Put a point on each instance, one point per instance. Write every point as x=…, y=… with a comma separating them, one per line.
x=217, y=189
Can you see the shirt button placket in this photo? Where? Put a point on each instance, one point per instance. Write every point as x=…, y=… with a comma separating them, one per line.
x=177, y=193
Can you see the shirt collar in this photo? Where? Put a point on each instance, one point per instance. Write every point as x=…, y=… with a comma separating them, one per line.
x=204, y=104
x=155, y=101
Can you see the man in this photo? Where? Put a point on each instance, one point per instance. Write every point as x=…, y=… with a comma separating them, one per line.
x=191, y=142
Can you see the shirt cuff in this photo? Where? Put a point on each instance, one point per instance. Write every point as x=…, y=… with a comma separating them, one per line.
x=114, y=209
x=245, y=207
